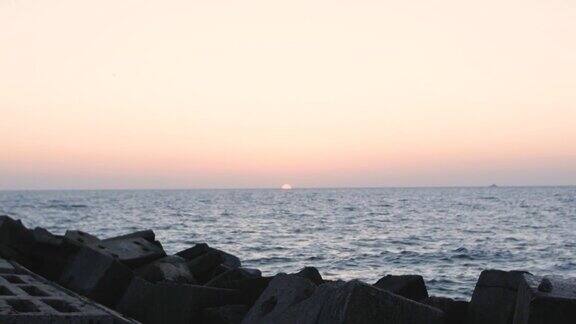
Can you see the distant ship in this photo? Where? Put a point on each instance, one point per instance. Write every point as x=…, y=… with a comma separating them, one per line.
x=493, y=186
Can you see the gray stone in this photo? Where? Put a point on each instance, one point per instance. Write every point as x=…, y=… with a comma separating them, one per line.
x=133, y=252
x=454, y=310
x=293, y=299
x=27, y=298
x=15, y=239
x=250, y=289
x=10, y=253
x=202, y=267
x=194, y=252
x=148, y=235
x=254, y=273
x=409, y=286
x=134, y=249
x=81, y=238
x=218, y=270
x=50, y=253
x=556, y=304
x=203, y=248
x=171, y=303
x=311, y=274
x=43, y=236
x=545, y=285
x=97, y=276
x=229, y=314
x=225, y=278
x=280, y=296
x=494, y=297
x=167, y=269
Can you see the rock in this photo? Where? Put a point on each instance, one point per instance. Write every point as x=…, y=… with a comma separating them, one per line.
x=202, y=267
x=97, y=276
x=254, y=273
x=194, y=252
x=311, y=274
x=545, y=285
x=203, y=248
x=133, y=252
x=50, y=253
x=229, y=314
x=148, y=235
x=282, y=293
x=168, y=269
x=225, y=278
x=409, y=286
x=81, y=238
x=43, y=236
x=171, y=303
x=218, y=270
x=293, y=299
x=16, y=240
x=250, y=289
x=10, y=253
x=494, y=297
x=548, y=300
x=454, y=310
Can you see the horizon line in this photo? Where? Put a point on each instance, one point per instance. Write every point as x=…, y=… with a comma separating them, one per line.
x=295, y=188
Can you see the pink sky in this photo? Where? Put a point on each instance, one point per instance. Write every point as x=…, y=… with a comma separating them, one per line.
x=199, y=94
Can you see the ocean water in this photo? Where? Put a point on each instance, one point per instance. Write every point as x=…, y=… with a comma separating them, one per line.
x=448, y=235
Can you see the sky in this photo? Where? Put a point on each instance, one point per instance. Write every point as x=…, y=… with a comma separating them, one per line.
x=315, y=93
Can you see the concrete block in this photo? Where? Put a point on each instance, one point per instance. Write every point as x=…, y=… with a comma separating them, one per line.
x=167, y=269
x=148, y=235
x=171, y=303
x=311, y=274
x=134, y=249
x=97, y=276
x=43, y=236
x=133, y=252
x=50, y=253
x=279, y=298
x=218, y=270
x=454, y=310
x=81, y=238
x=293, y=299
x=26, y=298
x=545, y=300
x=408, y=286
x=250, y=289
x=6, y=267
x=194, y=252
x=203, y=248
x=494, y=297
x=229, y=314
x=224, y=279
x=202, y=267
x=15, y=239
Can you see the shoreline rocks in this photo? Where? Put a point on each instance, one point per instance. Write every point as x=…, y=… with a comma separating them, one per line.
x=133, y=275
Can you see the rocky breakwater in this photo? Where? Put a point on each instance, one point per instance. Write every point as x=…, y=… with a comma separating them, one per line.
x=133, y=275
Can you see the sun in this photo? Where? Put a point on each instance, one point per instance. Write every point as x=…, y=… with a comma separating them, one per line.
x=286, y=186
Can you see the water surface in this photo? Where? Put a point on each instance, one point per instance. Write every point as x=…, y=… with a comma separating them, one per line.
x=446, y=234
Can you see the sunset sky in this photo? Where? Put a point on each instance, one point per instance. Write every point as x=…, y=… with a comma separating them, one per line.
x=315, y=93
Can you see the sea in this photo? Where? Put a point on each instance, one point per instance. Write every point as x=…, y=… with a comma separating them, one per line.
x=447, y=235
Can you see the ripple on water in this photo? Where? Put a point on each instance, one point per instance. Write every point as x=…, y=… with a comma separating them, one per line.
x=446, y=234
